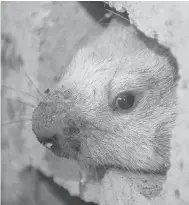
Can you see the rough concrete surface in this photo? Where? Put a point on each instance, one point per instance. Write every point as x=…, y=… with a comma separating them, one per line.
x=30, y=33
x=29, y=30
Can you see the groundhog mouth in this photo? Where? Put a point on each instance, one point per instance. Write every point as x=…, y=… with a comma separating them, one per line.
x=69, y=149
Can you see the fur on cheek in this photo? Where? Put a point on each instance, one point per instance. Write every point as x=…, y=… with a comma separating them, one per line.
x=162, y=144
x=134, y=157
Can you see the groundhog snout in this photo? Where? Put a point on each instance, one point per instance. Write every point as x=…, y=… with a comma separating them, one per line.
x=53, y=124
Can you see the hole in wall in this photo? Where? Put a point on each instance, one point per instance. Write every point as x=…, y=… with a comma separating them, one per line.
x=100, y=10
x=57, y=191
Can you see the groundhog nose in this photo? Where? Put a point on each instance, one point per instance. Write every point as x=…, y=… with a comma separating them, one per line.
x=59, y=144
x=53, y=135
x=47, y=137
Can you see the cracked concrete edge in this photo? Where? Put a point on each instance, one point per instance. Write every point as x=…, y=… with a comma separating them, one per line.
x=168, y=23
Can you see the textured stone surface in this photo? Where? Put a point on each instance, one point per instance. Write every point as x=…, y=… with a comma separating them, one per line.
x=31, y=32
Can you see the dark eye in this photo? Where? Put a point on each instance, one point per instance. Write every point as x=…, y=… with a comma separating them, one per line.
x=125, y=101
x=47, y=91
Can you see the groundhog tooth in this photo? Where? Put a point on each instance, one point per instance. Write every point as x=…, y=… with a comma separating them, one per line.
x=48, y=145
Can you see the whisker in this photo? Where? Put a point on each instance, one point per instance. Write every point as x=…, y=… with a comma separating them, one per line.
x=118, y=15
x=93, y=165
x=33, y=84
x=106, y=16
x=19, y=91
x=31, y=105
x=12, y=122
x=104, y=167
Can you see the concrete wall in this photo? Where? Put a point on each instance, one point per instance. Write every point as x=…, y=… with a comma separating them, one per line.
x=31, y=35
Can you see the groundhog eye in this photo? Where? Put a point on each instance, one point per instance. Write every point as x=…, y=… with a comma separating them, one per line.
x=125, y=101
x=47, y=91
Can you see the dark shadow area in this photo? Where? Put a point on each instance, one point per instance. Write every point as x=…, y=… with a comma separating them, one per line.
x=98, y=10
x=95, y=8
x=61, y=193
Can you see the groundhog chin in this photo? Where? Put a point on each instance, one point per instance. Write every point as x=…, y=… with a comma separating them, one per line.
x=100, y=158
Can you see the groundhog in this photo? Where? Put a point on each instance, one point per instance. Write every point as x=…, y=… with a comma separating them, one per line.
x=116, y=104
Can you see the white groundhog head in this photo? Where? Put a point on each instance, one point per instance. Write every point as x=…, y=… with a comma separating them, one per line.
x=116, y=104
